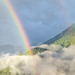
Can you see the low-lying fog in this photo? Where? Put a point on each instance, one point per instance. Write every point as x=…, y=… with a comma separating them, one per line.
x=56, y=61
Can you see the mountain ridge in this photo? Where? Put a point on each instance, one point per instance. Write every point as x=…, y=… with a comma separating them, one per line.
x=67, y=34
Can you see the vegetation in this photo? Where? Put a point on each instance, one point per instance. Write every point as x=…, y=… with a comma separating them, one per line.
x=65, y=42
x=5, y=72
x=39, y=50
x=65, y=39
x=34, y=51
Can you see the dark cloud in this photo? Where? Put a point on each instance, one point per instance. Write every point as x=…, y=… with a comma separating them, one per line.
x=8, y=31
x=42, y=19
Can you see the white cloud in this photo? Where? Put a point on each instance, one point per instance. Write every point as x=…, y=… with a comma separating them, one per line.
x=46, y=63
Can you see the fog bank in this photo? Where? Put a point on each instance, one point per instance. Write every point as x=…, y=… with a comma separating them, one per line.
x=58, y=61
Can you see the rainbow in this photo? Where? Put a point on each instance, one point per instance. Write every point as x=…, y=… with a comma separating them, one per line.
x=19, y=25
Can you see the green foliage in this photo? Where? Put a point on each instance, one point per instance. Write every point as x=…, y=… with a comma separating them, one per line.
x=34, y=51
x=21, y=54
x=39, y=50
x=5, y=72
x=66, y=41
x=65, y=38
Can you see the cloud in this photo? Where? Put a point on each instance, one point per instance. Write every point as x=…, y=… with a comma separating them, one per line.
x=47, y=63
x=43, y=18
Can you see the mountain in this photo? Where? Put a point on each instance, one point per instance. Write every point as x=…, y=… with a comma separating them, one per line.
x=4, y=49
x=65, y=38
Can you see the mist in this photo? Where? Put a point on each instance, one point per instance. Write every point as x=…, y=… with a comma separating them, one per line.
x=55, y=61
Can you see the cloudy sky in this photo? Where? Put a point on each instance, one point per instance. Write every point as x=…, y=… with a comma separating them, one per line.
x=42, y=20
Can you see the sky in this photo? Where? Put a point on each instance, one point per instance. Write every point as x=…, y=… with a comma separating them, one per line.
x=41, y=19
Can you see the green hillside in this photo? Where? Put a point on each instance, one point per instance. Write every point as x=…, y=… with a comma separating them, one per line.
x=65, y=39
